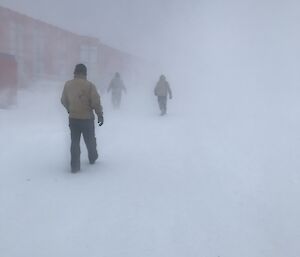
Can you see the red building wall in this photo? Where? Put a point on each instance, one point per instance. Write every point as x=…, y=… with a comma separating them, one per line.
x=43, y=51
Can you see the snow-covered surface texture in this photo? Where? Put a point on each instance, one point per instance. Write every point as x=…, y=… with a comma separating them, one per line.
x=215, y=177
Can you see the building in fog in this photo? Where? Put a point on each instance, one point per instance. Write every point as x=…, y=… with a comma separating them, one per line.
x=43, y=51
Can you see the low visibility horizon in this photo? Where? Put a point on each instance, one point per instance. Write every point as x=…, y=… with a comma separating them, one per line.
x=218, y=176
x=193, y=41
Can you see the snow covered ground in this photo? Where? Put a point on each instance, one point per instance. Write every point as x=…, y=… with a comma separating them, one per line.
x=216, y=177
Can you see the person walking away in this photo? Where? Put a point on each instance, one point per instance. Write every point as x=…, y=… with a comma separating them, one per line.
x=116, y=87
x=81, y=100
x=162, y=91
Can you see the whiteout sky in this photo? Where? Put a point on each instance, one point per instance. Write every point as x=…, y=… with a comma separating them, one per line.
x=135, y=26
x=201, y=37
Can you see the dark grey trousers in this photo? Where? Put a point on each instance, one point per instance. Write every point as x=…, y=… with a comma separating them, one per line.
x=87, y=129
x=162, y=102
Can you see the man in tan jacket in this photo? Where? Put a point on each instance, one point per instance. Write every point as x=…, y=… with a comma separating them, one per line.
x=81, y=99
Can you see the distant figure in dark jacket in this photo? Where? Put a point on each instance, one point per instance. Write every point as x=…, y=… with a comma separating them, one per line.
x=162, y=91
x=116, y=87
x=81, y=100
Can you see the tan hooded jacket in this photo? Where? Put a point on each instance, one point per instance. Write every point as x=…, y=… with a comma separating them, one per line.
x=80, y=98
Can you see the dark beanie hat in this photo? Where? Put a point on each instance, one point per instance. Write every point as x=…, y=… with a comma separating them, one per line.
x=80, y=69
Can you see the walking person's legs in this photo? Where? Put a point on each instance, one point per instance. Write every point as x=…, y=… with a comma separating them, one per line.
x=118, y=100
x=162, y=101
x=90, y=140
x=75, y=144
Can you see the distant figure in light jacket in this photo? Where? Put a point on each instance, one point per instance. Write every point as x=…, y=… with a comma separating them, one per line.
x=116, y=87
x=162, y=91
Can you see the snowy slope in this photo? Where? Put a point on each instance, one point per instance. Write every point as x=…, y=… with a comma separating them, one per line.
x=206, y=180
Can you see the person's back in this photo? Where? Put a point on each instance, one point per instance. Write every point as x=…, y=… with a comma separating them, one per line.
x=162, y=88
x=81, y=99
x=116, y=85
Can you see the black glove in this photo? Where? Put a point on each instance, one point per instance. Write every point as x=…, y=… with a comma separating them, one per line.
x=100, y=120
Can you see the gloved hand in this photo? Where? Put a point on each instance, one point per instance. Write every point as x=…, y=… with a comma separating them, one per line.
x=170, y=97
x=100, y=120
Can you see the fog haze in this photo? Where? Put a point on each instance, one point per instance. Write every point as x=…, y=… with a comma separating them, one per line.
x=197, y=36
x=218, y=176
x=135, y=26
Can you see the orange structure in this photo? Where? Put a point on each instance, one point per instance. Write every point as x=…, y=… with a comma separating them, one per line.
x=8, y=80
